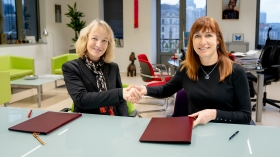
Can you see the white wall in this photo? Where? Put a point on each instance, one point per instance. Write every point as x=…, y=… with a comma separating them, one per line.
x=246, y=23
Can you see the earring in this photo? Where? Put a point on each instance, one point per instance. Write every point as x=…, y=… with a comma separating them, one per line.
x=218, y=46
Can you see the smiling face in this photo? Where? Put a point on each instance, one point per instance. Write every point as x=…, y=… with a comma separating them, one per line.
x=231, y=4
x=97, y=42
x=205, y=46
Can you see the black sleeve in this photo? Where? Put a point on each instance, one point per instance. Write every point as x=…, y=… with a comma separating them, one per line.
x=168, y=89
x=242, y=102
x=82, y=97
x=122, y=109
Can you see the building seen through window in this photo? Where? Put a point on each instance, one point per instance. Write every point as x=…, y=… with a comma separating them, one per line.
x=19, y=19
x=269, y=18
x=170, y=20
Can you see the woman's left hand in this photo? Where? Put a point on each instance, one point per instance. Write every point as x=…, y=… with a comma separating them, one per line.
x=204, y=116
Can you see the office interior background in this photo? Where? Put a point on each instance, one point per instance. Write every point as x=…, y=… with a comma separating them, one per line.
x=146, y=37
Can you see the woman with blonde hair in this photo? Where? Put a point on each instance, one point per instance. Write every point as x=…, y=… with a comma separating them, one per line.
x=217, y=88
x=93, y=80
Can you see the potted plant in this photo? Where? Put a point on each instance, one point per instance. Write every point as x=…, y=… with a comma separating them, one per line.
x=76, y=23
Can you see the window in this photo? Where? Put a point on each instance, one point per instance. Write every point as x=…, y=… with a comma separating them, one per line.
x=113, y=15
x=162, y=29
x=268, y=17
x=20, y=19
x=172, y=10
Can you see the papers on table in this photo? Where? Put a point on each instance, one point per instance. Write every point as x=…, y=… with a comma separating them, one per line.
x=250, y=57
x=239, y=54
x=251, y=52
x=242, y=54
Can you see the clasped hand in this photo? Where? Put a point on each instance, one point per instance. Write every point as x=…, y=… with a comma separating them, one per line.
x=134, y=93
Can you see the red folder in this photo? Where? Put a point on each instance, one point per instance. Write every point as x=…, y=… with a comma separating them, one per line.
x=169, y=130
x=46, y=122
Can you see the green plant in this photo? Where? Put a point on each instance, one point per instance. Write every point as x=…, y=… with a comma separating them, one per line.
x=76, y=23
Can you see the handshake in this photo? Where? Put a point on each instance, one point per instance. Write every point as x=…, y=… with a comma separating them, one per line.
x=134, y=93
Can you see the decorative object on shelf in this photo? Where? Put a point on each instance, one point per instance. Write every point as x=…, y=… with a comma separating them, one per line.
x=136, y=13
x=118, y=42
x=237, y=37
x=76, y=23
x=3, y=39
x=131, y=69
x=31, y=39
x=231, y=9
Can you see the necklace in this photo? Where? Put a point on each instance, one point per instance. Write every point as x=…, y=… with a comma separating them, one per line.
x=207, y=75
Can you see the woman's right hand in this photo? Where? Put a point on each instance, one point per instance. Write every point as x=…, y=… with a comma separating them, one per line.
x=131, y=95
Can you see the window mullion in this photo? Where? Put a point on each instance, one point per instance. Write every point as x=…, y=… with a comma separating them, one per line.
x=19, y=18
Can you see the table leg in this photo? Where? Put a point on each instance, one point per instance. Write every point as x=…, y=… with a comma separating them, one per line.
x=259, y=104
x=55, y=83
x=39, y=90
x=6, y=104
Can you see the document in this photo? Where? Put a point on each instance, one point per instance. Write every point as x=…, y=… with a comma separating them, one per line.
x=169, y=130
x=46, y=122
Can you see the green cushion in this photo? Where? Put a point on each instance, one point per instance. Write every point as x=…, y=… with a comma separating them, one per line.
x=17, y=66
x=16, y=73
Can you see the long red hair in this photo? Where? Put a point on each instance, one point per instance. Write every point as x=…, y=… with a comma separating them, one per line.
x=192, y=62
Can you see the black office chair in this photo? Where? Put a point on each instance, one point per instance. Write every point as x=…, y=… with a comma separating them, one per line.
x=270, y=61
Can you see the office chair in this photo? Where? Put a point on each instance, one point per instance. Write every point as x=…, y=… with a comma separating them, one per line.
x=148, y=75
x=181, y=104
x=144, y=57
x=270, y=61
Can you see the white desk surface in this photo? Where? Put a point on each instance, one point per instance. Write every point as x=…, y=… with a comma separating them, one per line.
x=102, y=136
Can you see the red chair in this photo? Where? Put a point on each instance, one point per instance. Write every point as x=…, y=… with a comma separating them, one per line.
x=148, y=75
x=143, y=56
x=147, y=71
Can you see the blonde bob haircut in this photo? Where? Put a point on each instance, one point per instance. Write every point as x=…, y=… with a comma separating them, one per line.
x=81, y=44
x=192, y=62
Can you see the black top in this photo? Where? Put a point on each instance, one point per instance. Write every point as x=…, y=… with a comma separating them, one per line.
x=230, y=97
x=81, y=85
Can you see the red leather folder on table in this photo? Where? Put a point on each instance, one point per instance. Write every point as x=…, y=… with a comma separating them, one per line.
x=169, y=130
x=46, y=122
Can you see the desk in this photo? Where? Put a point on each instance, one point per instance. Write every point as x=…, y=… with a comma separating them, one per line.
x=37, y=83
x=102, y=136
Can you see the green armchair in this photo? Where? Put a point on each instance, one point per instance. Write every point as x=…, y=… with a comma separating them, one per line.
x=17, y=66
x=5, y=86
x=58, y=61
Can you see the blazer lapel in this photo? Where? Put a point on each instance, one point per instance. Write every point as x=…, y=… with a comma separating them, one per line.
x=87, y=73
